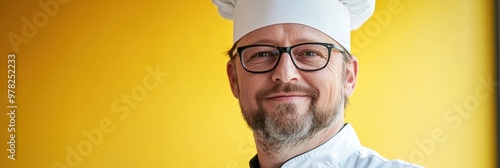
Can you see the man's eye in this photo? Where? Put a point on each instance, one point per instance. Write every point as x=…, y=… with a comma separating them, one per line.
x=310, y=53
x=265, y=54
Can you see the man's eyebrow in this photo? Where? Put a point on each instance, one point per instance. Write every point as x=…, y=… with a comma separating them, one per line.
x=306, y=40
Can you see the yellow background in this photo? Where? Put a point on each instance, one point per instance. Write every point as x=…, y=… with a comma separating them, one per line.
x=419, y=60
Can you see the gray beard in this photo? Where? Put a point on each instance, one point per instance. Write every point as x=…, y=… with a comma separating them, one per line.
x=284, y=128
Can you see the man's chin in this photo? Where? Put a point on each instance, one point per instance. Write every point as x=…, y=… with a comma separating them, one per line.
x=286, y=108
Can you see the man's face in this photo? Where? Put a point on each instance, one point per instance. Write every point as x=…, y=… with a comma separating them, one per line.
x=287, y=105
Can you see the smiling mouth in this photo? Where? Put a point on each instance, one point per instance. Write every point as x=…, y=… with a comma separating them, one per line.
x=285, y=97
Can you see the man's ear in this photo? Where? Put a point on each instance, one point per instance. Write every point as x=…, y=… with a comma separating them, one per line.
x=351, y=74
x=233, y=78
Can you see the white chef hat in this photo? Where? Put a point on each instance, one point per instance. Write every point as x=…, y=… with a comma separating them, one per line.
x=336, y=18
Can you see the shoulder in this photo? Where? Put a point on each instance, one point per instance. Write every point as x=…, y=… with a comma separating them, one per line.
x=369, y=158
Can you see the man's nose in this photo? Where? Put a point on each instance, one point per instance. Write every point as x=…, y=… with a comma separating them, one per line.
x=285, y=71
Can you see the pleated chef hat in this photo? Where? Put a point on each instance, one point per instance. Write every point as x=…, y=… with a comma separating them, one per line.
x=336, y=18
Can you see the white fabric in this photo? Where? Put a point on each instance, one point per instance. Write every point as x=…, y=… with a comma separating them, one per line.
x=333, y=17
x=344, y=150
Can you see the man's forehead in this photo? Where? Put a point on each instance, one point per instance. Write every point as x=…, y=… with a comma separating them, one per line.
x=284, y=34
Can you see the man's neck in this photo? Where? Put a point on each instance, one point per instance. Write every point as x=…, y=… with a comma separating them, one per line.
x=274, y=159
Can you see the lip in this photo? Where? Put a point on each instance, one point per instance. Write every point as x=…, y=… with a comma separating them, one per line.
x=286, y=96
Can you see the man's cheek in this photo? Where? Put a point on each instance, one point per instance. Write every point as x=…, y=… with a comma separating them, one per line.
x=325, y=101
x=247, y=98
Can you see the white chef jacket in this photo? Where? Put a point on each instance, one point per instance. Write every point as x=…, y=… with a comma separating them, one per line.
x=342, y=151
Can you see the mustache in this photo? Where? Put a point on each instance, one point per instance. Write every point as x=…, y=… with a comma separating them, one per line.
x=286, y=88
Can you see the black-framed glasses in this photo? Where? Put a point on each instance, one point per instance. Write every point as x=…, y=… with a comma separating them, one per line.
x=261, y=58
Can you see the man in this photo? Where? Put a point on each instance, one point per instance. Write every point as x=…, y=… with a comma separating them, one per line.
x=291, y=70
